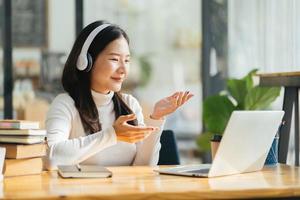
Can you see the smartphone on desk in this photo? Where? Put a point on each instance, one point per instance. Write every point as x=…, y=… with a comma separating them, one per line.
x=83, y=171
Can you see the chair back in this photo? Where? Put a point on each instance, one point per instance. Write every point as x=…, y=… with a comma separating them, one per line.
x=168, y=154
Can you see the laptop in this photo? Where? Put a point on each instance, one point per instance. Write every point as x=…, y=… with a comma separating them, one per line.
x=244, y=146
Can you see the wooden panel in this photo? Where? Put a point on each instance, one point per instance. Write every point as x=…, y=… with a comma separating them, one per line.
x=296, y=73
x=290, y=81
x=143, y=183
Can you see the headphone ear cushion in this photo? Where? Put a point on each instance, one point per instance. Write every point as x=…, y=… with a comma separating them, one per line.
x=82, y=62
x=90, y=62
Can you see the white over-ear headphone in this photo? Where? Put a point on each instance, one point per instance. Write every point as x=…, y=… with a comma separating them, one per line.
x=84, y=60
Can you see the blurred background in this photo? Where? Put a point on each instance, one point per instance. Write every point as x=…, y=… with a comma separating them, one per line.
x=175, y=44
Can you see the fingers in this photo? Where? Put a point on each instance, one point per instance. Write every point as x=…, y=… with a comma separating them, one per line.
x=131, y=139
x=186, y=97
x=190, y=96
x=131, y=135
x=140, y=129
x=183, y=97
x=179, y=99
x=126, y=118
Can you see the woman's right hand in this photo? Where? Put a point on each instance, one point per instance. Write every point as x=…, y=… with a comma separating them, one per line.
x=129, y=133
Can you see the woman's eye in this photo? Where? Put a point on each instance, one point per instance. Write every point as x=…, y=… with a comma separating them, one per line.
x=127, y=61
x=114, y=59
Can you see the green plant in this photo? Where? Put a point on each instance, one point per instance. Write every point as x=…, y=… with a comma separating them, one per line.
x=241, y=94
x=146, y=70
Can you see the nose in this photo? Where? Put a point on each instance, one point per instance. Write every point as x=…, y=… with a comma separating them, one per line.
x=122, y=68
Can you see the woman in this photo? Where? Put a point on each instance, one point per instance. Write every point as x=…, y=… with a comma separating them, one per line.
x=92, y=123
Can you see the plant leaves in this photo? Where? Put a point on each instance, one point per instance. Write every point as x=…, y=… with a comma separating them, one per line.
x=238, y=90
x=203, y=141
x=249, y=79
x=261, y=97
x=216, y=112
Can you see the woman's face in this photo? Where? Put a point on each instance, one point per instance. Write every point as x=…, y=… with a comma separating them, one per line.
x=111, y=67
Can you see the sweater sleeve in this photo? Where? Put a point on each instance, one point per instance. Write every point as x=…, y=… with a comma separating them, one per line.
x=148, y=149
x=65, y=151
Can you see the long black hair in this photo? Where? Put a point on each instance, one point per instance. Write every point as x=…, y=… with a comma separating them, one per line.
x=78, y=83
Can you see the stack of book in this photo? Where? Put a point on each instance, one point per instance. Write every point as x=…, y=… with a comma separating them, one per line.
x=25, y=147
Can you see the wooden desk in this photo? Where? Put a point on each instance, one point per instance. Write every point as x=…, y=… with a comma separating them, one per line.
x=291, y=83
x=142, y=183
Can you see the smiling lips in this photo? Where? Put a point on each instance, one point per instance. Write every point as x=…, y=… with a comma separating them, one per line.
x=118, y=79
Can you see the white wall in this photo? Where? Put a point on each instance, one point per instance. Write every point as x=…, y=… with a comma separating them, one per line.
x=61, y=22
x=263, y=34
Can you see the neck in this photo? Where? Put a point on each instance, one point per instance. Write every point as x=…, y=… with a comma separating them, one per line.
x=102, y=99
x=101, y=91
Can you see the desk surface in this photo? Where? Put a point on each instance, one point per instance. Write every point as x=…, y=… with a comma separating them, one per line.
x=142, y=183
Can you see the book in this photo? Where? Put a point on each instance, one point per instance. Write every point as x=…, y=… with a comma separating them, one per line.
x=18, y=124
x=22, y=139
x=19, y=151
x=18, y=167
x=23, y=132
x=2, y=156
x=83, y=171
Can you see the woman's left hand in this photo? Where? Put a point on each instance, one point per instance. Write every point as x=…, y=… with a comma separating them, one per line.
x=169, y=104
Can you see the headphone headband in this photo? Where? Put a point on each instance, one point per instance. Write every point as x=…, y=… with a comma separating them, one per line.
x=82, y=60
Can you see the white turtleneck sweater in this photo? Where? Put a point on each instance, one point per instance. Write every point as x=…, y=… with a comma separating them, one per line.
x=68, y=144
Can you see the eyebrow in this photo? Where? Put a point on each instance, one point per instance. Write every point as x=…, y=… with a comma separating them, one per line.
x=117, y=54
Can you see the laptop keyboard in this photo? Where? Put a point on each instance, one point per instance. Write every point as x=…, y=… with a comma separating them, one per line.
x=199, y=171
